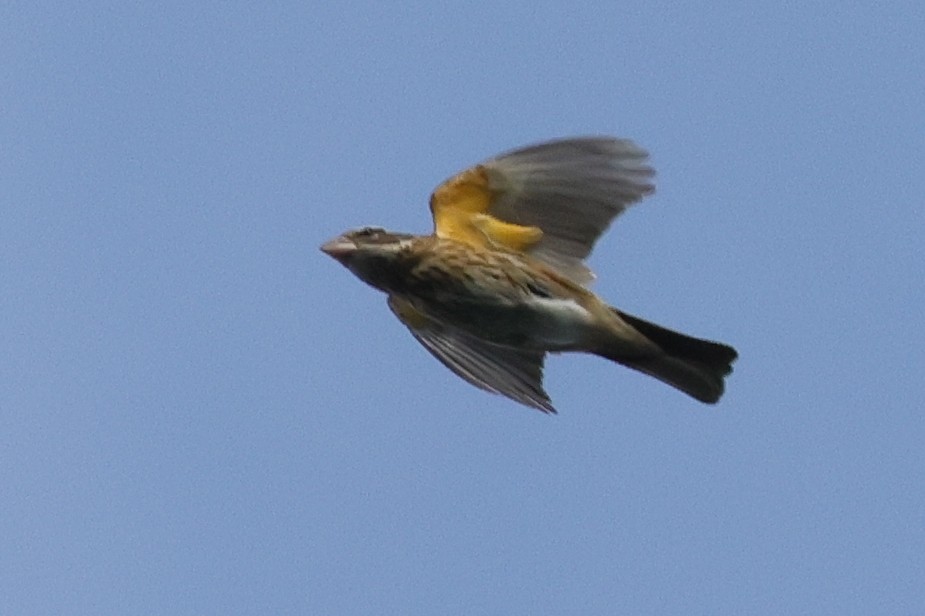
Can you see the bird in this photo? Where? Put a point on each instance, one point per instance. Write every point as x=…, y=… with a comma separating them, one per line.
x=501, y=281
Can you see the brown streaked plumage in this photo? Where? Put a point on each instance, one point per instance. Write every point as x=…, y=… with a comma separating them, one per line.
x=501, y=282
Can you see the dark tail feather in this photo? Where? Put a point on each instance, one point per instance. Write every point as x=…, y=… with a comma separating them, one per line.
x=696, y=367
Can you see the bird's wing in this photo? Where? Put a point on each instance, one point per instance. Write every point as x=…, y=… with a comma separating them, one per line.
x=517, y=374
x=551, y=200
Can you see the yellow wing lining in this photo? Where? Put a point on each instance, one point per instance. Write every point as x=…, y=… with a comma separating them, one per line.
x=460, y=209
x=408, y=314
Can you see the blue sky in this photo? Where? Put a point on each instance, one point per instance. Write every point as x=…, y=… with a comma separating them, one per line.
x=203, y=414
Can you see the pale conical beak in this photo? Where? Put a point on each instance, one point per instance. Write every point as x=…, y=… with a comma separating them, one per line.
x=338, y=248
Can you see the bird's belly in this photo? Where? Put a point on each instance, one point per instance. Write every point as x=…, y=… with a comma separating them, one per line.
x=540, y=323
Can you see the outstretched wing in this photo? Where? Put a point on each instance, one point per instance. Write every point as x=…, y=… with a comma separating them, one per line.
x=514, y=373
x=551, y=200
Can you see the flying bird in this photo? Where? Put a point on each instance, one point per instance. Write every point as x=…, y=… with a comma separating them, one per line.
x=502, y=281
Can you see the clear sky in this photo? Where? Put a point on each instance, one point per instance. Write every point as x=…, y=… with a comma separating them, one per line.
x=200, y=413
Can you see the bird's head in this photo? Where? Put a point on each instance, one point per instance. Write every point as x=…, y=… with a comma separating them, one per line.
x=369, y=252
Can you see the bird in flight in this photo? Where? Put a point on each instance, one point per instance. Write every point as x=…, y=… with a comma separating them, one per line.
x=502, y=281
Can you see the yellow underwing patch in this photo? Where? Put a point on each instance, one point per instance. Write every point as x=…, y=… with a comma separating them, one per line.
x=407, y=314
x=461, y=206
x=507, y=235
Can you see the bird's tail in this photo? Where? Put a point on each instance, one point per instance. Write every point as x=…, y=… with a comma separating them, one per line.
x=696, y=367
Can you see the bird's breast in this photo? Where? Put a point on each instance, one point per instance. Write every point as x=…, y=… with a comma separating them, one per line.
x=496, y=296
